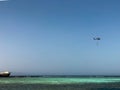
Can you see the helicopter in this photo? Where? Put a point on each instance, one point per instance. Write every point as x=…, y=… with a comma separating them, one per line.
x=97, y=39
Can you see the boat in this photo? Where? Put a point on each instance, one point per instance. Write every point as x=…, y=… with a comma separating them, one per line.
x=4, y=74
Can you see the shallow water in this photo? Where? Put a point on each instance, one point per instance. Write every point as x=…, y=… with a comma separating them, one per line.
x=57, y=80
x=60, y=83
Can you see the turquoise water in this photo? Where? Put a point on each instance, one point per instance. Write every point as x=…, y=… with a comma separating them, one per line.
x=59, y=83
x=41, y=80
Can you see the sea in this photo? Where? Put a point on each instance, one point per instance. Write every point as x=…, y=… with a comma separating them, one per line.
x=60, y=83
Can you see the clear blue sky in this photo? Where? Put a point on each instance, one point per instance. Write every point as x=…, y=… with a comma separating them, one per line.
x=56, y=36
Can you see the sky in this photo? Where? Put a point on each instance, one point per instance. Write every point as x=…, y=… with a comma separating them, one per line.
x=55, y=37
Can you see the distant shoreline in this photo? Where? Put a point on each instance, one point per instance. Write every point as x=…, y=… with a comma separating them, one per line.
x=65, y=76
